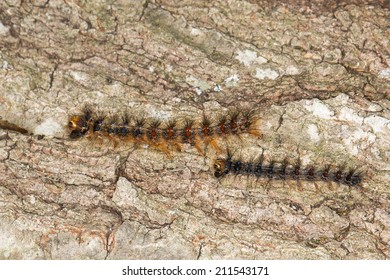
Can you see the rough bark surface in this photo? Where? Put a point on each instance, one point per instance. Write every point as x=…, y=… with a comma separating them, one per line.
x=317, y=75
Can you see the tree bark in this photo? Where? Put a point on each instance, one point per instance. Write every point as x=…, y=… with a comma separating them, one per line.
x=317, y=76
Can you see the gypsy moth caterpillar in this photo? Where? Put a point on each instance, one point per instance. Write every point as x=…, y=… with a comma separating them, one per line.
x=285, y=171
x=163, y=135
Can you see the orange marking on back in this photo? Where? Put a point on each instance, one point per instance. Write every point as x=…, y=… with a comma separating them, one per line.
x=187, y=132
x=153, y=133
x=222, y=128
x=170, y=132
x=206, y=130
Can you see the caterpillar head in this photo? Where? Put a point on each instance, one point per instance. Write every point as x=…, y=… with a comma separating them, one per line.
x=220, y=168
x=78, y=125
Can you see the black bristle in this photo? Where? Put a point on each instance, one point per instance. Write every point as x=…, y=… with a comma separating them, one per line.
x=310, y=173
x=206, y=121
x=152, y=131
x=138, y=129
x=237, y=166
x=205, y=130
x=325, y=173
x=258, y=170
x=234, y=122
x=222, y=128
x=87, y=113
x=270, y=169
x=140, y=122
x=248, y=168
x=187, y=132
x=169, y=132
x=155, y=124
x=247, y=119
x=351, y=178
x=111, y=127
x=97, y=124
x=297, y=170
x=338, y=175
x=282, y=169
x=126, y=120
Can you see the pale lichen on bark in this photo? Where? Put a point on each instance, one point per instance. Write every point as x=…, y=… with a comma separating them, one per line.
x=318, y=77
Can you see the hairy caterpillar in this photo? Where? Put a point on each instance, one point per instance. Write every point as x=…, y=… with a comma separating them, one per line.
x=285, y=171
x=163, y=135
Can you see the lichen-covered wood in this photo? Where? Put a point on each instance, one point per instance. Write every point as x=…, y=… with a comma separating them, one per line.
x=317, y=76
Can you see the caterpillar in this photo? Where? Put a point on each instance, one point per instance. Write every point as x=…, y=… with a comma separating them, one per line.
x=285, y=171
x=163, y=135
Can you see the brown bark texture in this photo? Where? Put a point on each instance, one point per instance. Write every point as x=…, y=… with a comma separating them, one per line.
x=317, y=76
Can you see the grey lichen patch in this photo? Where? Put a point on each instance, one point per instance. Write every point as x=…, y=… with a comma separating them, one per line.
x=266, y=73
x=81, y=77
x=232, y=81
x=48, y=127
x=249, y=58
x=199, y=85
x=385, y=73
x=378, y=123
x=3, y=29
